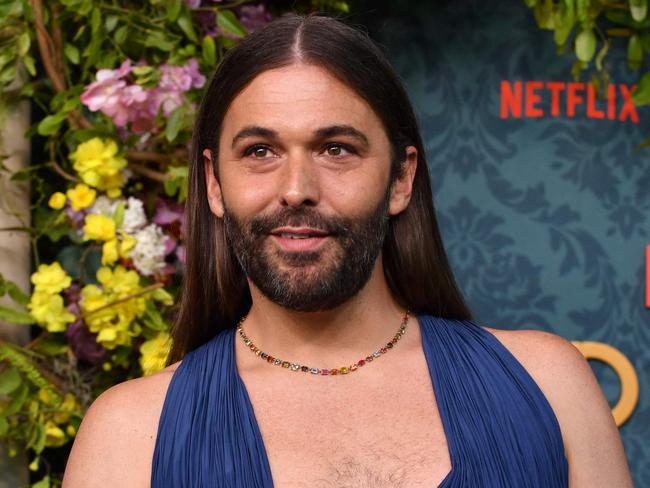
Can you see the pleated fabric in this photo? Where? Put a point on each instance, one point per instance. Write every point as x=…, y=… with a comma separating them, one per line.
x=500, y=428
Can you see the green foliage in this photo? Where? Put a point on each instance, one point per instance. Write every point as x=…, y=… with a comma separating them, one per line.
x=594, y=25
x=84, y=154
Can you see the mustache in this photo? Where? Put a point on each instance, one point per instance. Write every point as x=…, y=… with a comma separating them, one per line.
x=299, y=217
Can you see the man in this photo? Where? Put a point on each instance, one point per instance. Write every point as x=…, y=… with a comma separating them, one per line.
x=322, y=340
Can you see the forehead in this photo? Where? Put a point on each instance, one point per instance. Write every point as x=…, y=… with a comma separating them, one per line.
x=299, y=97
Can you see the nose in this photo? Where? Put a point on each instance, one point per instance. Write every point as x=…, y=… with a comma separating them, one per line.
x=300, y=182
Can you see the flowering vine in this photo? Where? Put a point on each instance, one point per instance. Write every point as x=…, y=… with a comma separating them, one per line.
x=118, y=84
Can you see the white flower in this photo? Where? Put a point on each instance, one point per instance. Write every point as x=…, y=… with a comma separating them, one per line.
x=149, y=253
x=104, y=206
x=134, y=217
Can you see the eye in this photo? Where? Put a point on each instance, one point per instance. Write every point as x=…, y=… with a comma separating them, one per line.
x=257, y=151
x=336, y=149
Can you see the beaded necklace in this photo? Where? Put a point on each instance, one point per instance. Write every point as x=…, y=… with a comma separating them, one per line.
x=325, y=372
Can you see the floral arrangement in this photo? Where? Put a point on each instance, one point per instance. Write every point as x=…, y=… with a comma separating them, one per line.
x=115, y=87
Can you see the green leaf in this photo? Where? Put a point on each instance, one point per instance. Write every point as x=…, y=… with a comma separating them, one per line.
x=228, y=23
x=585, y=45
x=17, y=401
x=118, y=215
x=44, y=483
x=641, y=95
x=634, y=52
x=174, y=123
x=173, y=9
x=23, y=44
x=564, y=19
x=4, y=426
x=30, y=65
x=95, y=20
x=121, y=34
x=110, y=23
x=186, y=25
x=639, y=9
x=72, y=53
x=159, y=41
x=16, y=293
x=52, y=345
x=9, y=380
x=209, y=51
x=50, y=124
x=13, y=316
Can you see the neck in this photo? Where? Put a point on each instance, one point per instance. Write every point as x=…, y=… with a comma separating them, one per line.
x=351, y=331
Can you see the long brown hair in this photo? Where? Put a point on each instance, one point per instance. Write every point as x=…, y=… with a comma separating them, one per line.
x=215, y=292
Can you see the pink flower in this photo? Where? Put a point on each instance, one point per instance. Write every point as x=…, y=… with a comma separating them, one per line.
x=125, y=102
x=106, y=90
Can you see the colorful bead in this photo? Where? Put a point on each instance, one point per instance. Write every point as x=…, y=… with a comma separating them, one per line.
x=325, y=372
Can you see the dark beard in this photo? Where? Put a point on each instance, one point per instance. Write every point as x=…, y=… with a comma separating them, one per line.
x=338, y=270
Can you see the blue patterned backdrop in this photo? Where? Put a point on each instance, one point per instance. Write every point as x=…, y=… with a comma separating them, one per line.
x=545, y=220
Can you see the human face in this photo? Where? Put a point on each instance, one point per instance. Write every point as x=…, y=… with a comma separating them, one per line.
x=302, y=153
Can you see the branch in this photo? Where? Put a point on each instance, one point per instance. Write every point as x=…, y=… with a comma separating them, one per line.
x=152, y=174
x=45, y=46
x=143, y=291
x=64, y=174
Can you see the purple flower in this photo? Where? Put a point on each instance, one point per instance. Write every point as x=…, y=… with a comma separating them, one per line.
x=167, y=212
x=84, y=344
x=254, y=17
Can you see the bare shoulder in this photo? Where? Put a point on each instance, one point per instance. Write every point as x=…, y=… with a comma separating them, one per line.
x=591, y=439
x=115, y=442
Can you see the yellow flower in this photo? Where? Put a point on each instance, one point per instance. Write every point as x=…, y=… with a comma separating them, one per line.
x=154, y=352
x=50, y=278
x=54, y=436
x=57, y=200
x=98, y=227
x=48, y=310
x=117, y=248
x=68, y=405
x=81, y=196
x=114, y=325
x=99, y=166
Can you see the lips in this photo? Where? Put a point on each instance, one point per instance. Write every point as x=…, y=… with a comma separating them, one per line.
x=299, y=239
x=298, y=232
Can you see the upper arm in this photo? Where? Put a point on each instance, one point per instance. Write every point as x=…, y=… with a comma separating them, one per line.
x=591, y=438
x=114, y=444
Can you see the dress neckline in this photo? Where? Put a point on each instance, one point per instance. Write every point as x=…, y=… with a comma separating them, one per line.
x=250, y=411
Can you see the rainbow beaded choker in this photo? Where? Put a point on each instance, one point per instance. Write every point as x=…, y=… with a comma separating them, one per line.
x=325, y=372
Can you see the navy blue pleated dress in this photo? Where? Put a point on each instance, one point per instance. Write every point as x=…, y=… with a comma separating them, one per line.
x=500, y=429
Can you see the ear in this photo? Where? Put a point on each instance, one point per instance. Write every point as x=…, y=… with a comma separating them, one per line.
x=213, y=188
x=403, y=185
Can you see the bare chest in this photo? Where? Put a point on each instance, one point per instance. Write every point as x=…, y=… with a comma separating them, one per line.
x=384, y=435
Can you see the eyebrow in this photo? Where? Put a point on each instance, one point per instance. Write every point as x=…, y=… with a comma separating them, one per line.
x=322, y=133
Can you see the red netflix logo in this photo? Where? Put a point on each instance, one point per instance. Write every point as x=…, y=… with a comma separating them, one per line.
x=514, y=104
